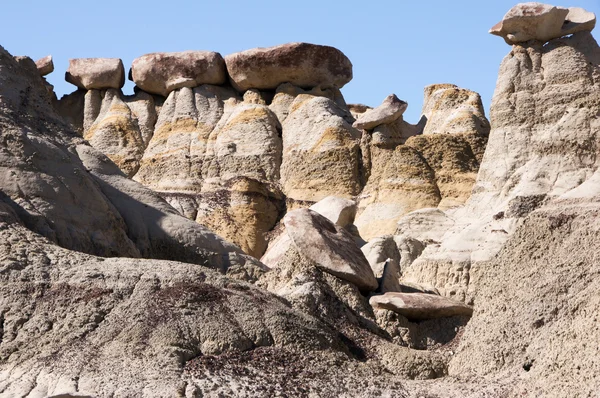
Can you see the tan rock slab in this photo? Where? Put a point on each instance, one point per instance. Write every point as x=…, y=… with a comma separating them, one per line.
x=420, y=306
x=330, y=247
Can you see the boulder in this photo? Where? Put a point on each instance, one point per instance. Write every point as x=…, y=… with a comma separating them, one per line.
x=340, y=211
x=542, y=22
x=301, y=64
x=420, y=306
x=390, y=110
x=330, y=247
x=98, y=73
x=45, y=65
x=384, y=258
x=161, y=73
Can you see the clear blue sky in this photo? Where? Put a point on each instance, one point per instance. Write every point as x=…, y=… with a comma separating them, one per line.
x=395, y=46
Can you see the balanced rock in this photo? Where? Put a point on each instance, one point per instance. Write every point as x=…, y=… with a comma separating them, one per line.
x=330, y=247
x=45, y=65
x=301, y=64
x=390, y=110
x=99, y=73
x=542, y=22
x=338, y=210
x=161, y=73
x=420, y=306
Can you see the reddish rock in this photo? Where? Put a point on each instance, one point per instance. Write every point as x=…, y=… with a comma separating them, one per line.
x=161, y=73
x=301, y=64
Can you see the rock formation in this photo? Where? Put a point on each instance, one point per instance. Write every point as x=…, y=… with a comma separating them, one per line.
x=237, y=161
x=480, y=269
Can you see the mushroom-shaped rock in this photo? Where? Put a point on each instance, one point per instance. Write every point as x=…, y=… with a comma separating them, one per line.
x=389, y=111
x=330, y=247
x=161, y=73
x=96, y=73
x=384, y=258
x=301, y=64
x=543, y=22
x=45, y=65
x=338, y=210
x=420, y=306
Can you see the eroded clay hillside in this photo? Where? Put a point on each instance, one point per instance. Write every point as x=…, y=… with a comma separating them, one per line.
x=398, y=259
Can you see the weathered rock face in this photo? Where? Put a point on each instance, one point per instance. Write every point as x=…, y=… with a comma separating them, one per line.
x=540, y=292
x=389, y=111
x=68, y=192
x=400, y=181
x=114, y=131
x=301, y=64
x=431, y=164
x=542, y=146
x=542, y=22
x=96, y=73
x=217, y=161
x=161, y=73
x=235, y=163
x=320, y=151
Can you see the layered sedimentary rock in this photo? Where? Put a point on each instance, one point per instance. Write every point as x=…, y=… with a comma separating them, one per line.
x=236, y=161
x=65, y=190
x=431, y=164
x=320, y=151
x=541, y=146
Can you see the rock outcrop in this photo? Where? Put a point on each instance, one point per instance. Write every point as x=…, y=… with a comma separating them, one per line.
x=161, y=73
x=301, y=64
x=541, y=146
x=237, y=161
x=432, y=164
